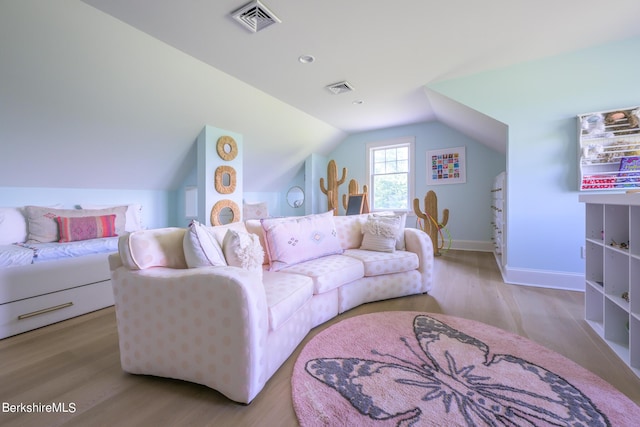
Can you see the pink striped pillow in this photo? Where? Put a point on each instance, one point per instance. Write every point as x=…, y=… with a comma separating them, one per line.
x=73, y=229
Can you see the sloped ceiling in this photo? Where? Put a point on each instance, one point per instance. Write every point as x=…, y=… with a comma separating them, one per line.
x=112, y=93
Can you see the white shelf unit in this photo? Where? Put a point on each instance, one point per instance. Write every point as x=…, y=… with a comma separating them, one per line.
x=612, y=248
x=609, y=150
x=498, y=218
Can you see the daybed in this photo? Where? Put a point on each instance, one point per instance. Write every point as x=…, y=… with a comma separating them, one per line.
x=228, y=323
x=43, y=280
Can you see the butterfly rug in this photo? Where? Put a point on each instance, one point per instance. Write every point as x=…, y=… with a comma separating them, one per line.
x=403, y=368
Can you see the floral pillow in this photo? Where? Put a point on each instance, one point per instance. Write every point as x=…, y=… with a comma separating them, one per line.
x=293, y=240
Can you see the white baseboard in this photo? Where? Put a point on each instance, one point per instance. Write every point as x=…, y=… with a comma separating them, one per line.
x=526, y=276
x=543, y=278
x=470, y=245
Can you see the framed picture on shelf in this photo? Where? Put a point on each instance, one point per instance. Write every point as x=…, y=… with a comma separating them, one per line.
x=446, y=166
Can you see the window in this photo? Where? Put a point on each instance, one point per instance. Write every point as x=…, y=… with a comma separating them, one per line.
x=390, y=171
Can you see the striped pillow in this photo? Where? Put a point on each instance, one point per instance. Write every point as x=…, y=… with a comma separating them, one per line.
x=73, y=229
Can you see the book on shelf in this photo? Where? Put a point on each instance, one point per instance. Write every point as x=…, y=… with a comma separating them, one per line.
x=629, y=172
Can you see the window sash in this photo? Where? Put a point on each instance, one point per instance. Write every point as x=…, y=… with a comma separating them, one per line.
x=391, y=162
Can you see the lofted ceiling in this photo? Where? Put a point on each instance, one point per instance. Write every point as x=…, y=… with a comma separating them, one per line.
x=388, y=51
x=112, y=93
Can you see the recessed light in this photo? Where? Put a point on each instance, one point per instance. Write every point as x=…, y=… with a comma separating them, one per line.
x=306, y=59
x=358, y=102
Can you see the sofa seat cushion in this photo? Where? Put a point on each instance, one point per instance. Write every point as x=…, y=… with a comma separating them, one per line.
x=329, y=272
x=379, y=263
x=286, y=294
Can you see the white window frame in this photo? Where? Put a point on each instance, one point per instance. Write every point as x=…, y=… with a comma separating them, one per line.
x=409, y=141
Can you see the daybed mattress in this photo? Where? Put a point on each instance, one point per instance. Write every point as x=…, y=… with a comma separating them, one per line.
x=14, y=255
x=53, y=251
x=26, y=253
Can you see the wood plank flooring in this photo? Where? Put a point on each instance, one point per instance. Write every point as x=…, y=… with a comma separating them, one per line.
x=77, y=361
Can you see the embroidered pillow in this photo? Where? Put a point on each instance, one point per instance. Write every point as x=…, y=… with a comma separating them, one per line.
x=293, y=240
x=380, y=234
x=243, y=250
x=400, y=246
x=86, y=227
x=201, y=249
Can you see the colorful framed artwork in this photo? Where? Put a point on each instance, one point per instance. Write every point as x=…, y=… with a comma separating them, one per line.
x=446, y=166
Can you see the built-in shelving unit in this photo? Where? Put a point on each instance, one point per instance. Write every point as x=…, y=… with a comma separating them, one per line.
x=498, y=218
x=609, y=149
x=612, y=272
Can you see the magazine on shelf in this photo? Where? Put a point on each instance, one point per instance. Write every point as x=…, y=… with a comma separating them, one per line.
x=629, y=172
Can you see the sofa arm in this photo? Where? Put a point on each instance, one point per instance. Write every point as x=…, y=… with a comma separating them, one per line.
x=419, y=242
x=205, y=325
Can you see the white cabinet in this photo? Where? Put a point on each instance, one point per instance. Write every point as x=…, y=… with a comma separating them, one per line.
x=498, y=218
x=612, y=272
x=609, y=149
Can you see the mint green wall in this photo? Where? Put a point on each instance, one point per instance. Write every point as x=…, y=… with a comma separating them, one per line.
x=469, y=204
x=155, y=204
x=539, y=102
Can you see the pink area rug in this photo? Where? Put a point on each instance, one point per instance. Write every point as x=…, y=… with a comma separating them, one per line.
x=422, y=369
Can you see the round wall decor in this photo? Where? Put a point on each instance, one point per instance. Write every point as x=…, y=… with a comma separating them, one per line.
x=227, y=148
x=225, y=211
x=225, y=179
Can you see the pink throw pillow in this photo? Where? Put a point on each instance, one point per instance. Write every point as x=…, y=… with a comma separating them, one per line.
x=293, y=240
x=86, y=227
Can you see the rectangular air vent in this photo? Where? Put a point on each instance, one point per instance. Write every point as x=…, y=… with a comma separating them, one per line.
x=340, y=87
x=255, y=16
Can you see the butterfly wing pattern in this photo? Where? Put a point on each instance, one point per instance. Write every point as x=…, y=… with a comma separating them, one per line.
x=458, y=376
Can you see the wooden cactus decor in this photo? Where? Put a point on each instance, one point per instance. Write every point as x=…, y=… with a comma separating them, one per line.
x=331, y=190
x=354, y=188
x=430, y=218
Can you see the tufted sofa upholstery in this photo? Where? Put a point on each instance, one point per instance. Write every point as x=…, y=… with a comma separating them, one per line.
x=230, y=329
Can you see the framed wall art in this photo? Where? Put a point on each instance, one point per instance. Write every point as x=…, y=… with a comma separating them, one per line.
x=446, y=166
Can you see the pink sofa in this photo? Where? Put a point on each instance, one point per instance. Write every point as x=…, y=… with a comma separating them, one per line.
x=230, y=328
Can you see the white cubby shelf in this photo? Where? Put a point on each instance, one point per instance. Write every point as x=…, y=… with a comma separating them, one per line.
x=612, y=272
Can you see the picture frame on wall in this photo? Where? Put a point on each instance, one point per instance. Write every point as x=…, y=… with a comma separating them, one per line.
x=446, y=166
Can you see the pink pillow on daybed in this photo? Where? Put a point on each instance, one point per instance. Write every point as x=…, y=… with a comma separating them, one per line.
x=296, y=239
x=86, y=227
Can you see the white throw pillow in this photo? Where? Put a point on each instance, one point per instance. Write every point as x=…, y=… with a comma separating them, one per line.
x=133, y=217
x=400, y=246
x=243, y=250
x=201, y=249
x=380, y=234
x=13, y=226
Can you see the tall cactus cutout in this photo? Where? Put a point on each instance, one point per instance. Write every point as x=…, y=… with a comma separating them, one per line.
x=354, y=188
x=430, y=216
x=331, y=190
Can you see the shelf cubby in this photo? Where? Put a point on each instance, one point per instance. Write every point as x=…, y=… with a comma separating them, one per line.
x=616, y=275
x=615, y=328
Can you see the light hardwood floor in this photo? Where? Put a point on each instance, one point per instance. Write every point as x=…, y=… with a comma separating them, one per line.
x=77, y=361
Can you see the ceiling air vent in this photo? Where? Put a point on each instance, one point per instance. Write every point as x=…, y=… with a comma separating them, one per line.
x=255, y=16
x=340, y=87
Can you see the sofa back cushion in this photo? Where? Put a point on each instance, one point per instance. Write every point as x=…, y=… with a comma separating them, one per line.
x=349, y=228
x=162, y=247
x=293, y=240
